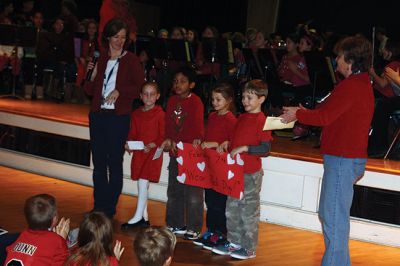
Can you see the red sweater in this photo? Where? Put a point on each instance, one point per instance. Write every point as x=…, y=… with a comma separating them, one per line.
x=249, y=132
x=345, y=117
x=37, y=248
x=130, y=78
x=220, y=127
x=184, y=119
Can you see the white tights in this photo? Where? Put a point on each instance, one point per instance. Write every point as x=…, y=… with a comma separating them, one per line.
x=141, y=208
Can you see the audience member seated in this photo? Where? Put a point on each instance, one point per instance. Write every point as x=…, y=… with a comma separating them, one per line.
x=154, y=246
x=24, y=15
x=293, y=71
x=55, y=51
x=68, y=11
x=6, y=12
x=31, y=74
x=387, y=100
x=95, y=242
x=162, y=34
x=44, y=242
x=88, y=46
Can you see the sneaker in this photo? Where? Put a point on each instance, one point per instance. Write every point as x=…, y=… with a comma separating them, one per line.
x=178, y=230
x=191, y=235
x=214, y=241
x=225, y=249
x=243, y=254
x=203, y=238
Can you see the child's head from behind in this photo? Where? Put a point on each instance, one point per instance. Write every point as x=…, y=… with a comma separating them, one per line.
x=41, y=212
x=253, y=95
x=154, y=246
x=184, y=81
x=150, y=94
x=96, y=234
x=222, y=98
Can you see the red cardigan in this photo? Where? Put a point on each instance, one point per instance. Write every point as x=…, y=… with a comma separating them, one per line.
x=130, y=78
x=345, y=117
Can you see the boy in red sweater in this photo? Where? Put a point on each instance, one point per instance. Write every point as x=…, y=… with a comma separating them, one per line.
x=251, y=142
x=184, y=121
x=38, y=245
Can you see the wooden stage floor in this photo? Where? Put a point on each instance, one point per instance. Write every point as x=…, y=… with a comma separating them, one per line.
x=78, y=114
x=278, y=245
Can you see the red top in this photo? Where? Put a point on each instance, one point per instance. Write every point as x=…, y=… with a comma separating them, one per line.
x=287, y=75
x=388, y=90
x=184, y=118
x=249, y=132
x=37, y=248
x=345, y=117
x=130, y=77
x=220, y=127
x=147, y=126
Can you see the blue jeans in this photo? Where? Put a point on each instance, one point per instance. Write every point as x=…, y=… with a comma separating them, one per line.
x=334, y=206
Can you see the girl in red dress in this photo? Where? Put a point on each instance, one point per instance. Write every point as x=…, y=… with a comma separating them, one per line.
x=148, y=126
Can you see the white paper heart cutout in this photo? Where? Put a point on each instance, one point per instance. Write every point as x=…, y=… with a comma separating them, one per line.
x=230, y=175
x=239, y=160
x=241, y=195
x=181, y=178
x=180, y=160
x=180, y=145
x=229, y=159
x=201, y=166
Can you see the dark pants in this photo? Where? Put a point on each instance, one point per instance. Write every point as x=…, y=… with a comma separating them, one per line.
x=185, y=203
x=108, y=133
x=216, y=205
x=378, y=140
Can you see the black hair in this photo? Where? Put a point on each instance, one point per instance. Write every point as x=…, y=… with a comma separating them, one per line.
x=188, y=72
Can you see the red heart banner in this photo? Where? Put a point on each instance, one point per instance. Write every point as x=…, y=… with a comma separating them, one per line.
x=192, y=166
x=226, y=174
x=210, y=169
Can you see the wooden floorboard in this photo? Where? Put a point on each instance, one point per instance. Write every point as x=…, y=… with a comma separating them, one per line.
x=278, y=245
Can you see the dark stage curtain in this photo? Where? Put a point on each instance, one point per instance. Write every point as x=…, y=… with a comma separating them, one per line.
x=225, y=15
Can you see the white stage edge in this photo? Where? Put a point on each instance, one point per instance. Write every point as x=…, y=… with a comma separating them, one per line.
x=289, y=195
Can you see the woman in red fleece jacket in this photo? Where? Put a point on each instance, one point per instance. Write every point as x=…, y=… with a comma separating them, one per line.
x=345, y=118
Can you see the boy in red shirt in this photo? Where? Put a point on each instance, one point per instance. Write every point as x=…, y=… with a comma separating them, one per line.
x=249, y=139
x=184, y=121
x=38, y=245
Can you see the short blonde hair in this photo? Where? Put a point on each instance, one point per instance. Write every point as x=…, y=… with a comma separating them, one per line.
x=154, y=245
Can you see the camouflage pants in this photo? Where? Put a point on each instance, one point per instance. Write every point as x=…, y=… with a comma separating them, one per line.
x=242, y=216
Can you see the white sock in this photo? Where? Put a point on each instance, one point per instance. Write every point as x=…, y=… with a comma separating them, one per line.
x=141, y=207
x=145, y=213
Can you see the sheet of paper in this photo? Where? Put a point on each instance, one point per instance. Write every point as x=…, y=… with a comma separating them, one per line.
x=136, y=145
x=274, y=123
x=158, y=153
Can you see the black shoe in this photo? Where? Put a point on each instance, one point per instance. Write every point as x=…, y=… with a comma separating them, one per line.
x=141, y=223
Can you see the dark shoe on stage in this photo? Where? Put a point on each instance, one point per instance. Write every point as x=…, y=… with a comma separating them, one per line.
x=141, y=223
